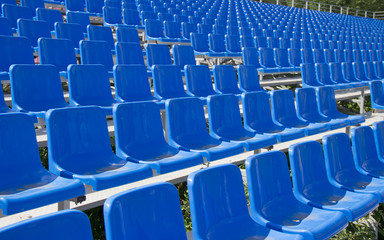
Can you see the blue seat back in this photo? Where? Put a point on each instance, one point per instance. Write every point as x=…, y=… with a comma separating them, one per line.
x=247, y=41
x=67, y=224
x=284, y=43
x=33, y=4
x=216, y=195
x=131, y=17
x=225, y=79
x=216, y=43
x=129, y=53
x=94, y=6
x=75, y=5
x=131, y=83
x=36, y=88
x=82, y=78
x=336, y=73
x=153, y=28
x=33, y=30
x=307, y=55
x=348, y=72
x=326, y=101
x=322, y=74
x=101, y=33
x=78, y=139
x=81, y=18
x=377, y=93
x=96, y=52
x=158, y=54
x=339, y=56
x=248, y=78
x=58, y=52
x=359, y=71
x=155, y=208
x=273, y=42
x=251, y=56
x=204, y=28
x=198, y=80
x=71, y=31
x=357, y=56
x=348, y=55
x=295, y=43
x=233, y=43
x=219, y=29
x=167, y=82
x=281, y=57
x=15, y=50
x=370, y=71
x=306, y=104
x=5, y=27
x=112, y=15
x=372, y=56
x=199, y=42
x=261, y=42
x=15, y=12
x=172, y=29
x=294, y=57
x=379, y=69
x=283, y=106
x=318, y=55
x=188, y=28
x=378, y=132
x=183, y=55
x=126, y=34
x=51, y=16
x=365, y=56
x=308, y=74
x=305, y=43
x=267, y=58
x=329, y=55
x=267, y=183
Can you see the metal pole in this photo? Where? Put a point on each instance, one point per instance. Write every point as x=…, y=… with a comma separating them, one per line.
x=374, y=15
x=366, y=13
x=293, y=3
x=277, y=2
x=319, y=8
x=347, y=10
x=306, y=4
x=330, y=8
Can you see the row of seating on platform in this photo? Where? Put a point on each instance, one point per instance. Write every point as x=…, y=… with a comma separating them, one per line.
x=332, y=185
x=78, y=134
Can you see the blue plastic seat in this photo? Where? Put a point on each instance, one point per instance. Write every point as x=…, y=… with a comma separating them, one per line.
x=33, y=4
x=14, y=50
x=267, y=60
x=225, y=123
x=158, y=54
x=199, y=81
x=33, y=30
x=273, y=42
x=71, y=31
x=295, y=43
x=112, y=16
x=188, y=28
x=359, y=71
x=258, y=118
x=67, y=224
x=273, y=204
x=307, y=109
x=246, y=41
x=294, y=57
x=183, y=55
x=339, y=56
x=282, y=60
x=337, y=76
x=307, y=55
x=101, y=33
x=131, y=17
x=204, y=28
x=308, y=75
x=82, y=78
x=329, y=55
x=357, y=55
x=80, y=148
x=37, y=187
x=305, y=44
x=312, y=187
x=219, y=29
x=36, y=88
x=126, y=34
x=365, y=56
x=327, y=106
x=380, y=55
x=261, y=42
x=199, y=42
x=225, y=79
x=153, y=30
x=167, y=82
x=341, y=169
x=349, y=74
x=365, y=153
x=377, y=94
x=233, y=47
x=189, y=112
x=135, y=134
x=131, y=83
x=5, y=27
x=248, y=78
x=172, y=32
x=318, y=55
x=219, y=207
x=58, y=52
x=370, y=71
x=75, y=5
x=217, y=45
x=323, y=76
x=15, y=12
x=378, y=132
x=95, y=7
x=379, y=69
x=284, y=113
x=348, y=55
x=156, y=209
x=81, y=18
x=96, y=52
x=372, y=56
x=251, y=57
x=51, y=16
x=284, y=43
x=129, y=53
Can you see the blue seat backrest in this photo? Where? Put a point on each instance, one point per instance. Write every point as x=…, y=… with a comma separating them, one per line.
x=295, y=57
x=348, y=55
x=15, y=50
x=318, y=55
x=67, y=224
x=308, y=74
x=79, y=18
x=378, y=131
x=198, y=80
x=216, y=43
x=101, y=33
x=172, y=29
x=326, y=100
x=322, y=74
x=183, y=55
x=14, y=12
x=112, y=15
x=155, y=208
x=36, y=88
x=126, y=34
x=232, y=43
x=33, y=30
x=267, y=58
x=370, y=70
x=329, y=56
x=248, y=78
x=131, y=17
x=359, y=71
x=339, y=56
x=307, y=55
x=51, y=16
x=251, y=56
x=225, y=79
x=131, y=83
x=158, y=54
x=82, y=78
x=94, y=6
x=348, y=72
x=357, y=56
x=199, y=42
x=33, y=4
x=256, y=109
x=188, y=28
x=364, y=147
x=167, y=82
x=75, y=5
x=336, y=73
x=129, y=53
x=5, y=27
x=71, y=31
x=283, y=106
x=96, y=52
x=261, y=42
x=153, y=28
x=217, y=194
x=58, y=52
